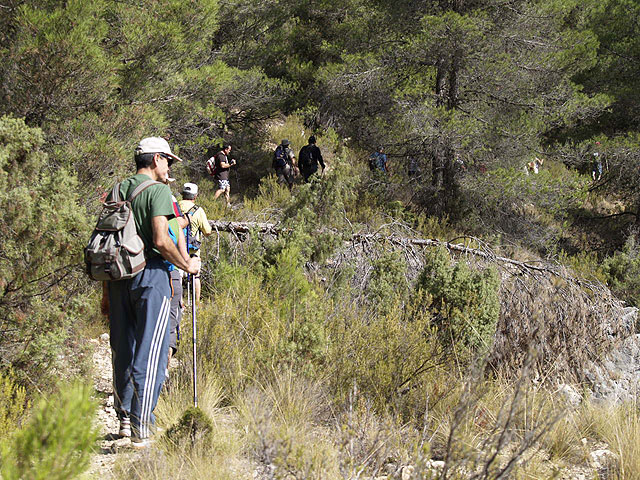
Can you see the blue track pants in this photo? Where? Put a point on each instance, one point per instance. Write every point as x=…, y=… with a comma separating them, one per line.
x=139, y=317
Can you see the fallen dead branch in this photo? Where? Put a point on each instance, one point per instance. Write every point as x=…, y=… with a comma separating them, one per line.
x=275, y=229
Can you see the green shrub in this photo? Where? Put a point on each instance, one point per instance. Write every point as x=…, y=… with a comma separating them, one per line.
x=465, y=302
x=388, y=282
x=623, y=272
x=263, y=317
x=195, y=427
x=57, y=441
x=385, y=354
x=42, y=232
x=13, y=404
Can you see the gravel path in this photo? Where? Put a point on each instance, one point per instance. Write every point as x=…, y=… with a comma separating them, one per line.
x=110, y=444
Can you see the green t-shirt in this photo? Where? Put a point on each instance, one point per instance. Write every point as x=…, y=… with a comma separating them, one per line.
x=152, y=202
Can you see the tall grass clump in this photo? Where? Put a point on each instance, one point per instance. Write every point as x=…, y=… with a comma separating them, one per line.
x=287, y=427
x=618, y=426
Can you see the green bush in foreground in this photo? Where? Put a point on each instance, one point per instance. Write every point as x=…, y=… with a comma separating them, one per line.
x=194, y=427
x=56, y=442
x=13, y=404
x=42, y=232
x=465, y=301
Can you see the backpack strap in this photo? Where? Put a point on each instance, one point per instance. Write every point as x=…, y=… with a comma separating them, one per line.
x=140, y=188
x=193, y=209
x=115, y=193
x=189, y=214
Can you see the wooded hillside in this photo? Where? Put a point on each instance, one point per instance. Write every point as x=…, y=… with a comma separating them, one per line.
x=464, y=96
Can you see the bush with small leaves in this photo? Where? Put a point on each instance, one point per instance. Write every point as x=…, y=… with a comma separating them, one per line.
x=194, y=427
x=465, y=302
x=13, y=404
x=57, y=441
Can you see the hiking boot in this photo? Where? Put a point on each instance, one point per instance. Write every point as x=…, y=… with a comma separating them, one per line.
x=125, y=427
x=140, y=443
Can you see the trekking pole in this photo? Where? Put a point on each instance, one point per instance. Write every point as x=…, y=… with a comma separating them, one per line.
x=191, y=280
x=193, y=326
x=188, y=286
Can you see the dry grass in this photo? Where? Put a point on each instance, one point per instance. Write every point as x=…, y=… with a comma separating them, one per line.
x=617, y=427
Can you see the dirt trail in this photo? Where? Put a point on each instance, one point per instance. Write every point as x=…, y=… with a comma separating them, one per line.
x=110, y=444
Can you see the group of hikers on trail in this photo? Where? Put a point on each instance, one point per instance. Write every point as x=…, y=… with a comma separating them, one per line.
x=144, y=243
x=286, y=167
x=135, y=259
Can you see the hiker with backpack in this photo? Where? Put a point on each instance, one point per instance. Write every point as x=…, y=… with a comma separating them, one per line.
x=198, y=226
x=284, y=163
x=218, y=166
x=378, y=161
x=137, y=298
x=176, y=232
x=309, y=158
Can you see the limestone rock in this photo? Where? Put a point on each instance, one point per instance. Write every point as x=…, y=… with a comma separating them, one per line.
x=605, y=462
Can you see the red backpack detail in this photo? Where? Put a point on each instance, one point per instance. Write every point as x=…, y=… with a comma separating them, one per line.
x=212, y=168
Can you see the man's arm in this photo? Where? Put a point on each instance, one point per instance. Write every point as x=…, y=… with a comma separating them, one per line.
x=183, y=222
x=169, y=251
x=320, y=159
x=200, y=219
x=226, y=164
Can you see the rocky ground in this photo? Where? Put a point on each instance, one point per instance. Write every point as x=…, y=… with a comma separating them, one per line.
x=111, y=446
x=601, y=461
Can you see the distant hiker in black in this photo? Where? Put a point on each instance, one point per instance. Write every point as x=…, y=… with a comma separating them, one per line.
x=309, y=158
x=284, y=163
x=221, y=173
x=413, y=169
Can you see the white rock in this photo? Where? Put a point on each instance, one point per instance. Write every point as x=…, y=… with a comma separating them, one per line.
x=104, y=337
x=407, y=472
x=570, y=395
x=437, y=465
x=605, y=462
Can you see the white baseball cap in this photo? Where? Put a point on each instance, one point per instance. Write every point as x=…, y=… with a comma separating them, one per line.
x=191, y=188
x=156, y=145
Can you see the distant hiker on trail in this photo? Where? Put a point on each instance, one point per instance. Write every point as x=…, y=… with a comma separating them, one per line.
x=138, y=308
x=412, y=167
x=534, y=166
x=309, y=158
x=218, y=166
x=284, y=163
x=596, y=164
x=378, y=161
x=198, y=225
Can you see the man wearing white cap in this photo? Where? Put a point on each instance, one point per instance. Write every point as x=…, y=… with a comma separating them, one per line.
x=199, y=225
x=138, y=308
